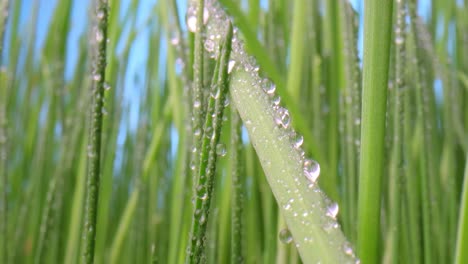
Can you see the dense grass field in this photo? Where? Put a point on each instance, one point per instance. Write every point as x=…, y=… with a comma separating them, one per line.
x=225, y=131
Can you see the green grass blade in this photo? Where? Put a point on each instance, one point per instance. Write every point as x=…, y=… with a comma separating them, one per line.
x=237, y=254
x=461, y=255
x=377, y=33
x=212, y=129
x=94, y=146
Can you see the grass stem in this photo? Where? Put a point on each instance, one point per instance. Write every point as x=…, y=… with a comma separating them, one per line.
x=377, y=33
x=95, y=133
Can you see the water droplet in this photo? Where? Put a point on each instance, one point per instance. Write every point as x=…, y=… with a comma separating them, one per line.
x=285, y=236
x=107, y=86
x=328, y=227
x=348, y=250
x=209, y=132
x=357, y=121
x=215, y=94
x=175, y=40
x=221, y=150
x=202, y=218
x=209, y=45
x=192, y=23
x=90, y=151
x=332, y=210
x=99, y=35
x=226, y=101
x=399, y=40
x=276, y=100
x=194, y=149
x=97, y=77
x=311, y=170
x=298, y=139
x=197, y=104
x=270, y=89
x=197, y=132
x=192, y=18
x=100, y=14
x=206, y=15
x=282, y=117
x=231, y=65
x=104, y=111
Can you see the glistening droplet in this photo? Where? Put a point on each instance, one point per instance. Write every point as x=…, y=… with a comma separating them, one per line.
x=192, y=18
x=282, y=117
x=285, y=236
x=231, y=65
x=99, y=35
x=270, y=89
x=311, y=170
x=332, y=210
x=221, y=150
x=298, y=139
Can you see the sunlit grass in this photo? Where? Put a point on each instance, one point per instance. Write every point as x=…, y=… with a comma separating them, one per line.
x=158, y=74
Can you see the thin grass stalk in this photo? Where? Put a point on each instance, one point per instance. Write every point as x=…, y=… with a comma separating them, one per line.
x=297, y=50
x=351, y=113
x=377, y=33
x=95, y=131
x=396, y=158
x=197, y=94
x=426, y=174
x=336, y=82
x=4, y=5
x=3, y=169
x=45, y=224
x=212, y=129
x=237, y=200
x=461, y=254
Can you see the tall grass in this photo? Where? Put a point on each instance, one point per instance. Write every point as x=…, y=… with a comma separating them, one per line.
x=371, y=98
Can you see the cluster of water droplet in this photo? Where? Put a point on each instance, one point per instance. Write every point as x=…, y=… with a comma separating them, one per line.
x=216, y=25
x=281, y=115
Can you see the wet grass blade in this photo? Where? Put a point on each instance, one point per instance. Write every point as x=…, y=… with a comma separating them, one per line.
x=212, y=128
x=95, y=133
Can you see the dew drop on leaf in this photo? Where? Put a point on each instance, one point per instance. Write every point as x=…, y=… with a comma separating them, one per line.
x=209, y=45
x=348, y=250
x=192, y=18
x=175, y=40
x=332, y=210
x=311, y=170
x=221, y=150
x=99, y=36
x=298, y=139
x=97, y=77
x=197, y=104
x=399, y=40
x=276, y=100
x=282, y=117
x=270, y=89
x=197, y=132
x=100, y=15
x=285, y=236
x=231, y=65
